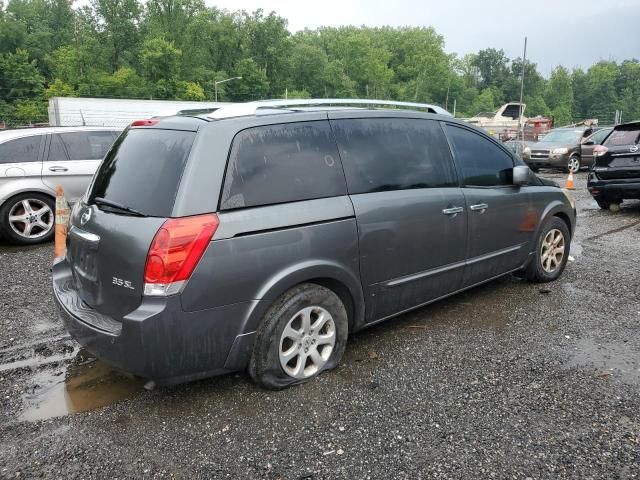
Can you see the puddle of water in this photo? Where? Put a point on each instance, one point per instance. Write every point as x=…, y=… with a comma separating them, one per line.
x=77, y=388
x=610, y=359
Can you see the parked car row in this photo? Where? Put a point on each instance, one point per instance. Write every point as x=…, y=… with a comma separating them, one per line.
x=569, y=149
x=32, y=163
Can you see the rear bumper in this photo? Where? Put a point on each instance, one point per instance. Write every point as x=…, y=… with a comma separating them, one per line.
x=158, y=340
x=613, y=188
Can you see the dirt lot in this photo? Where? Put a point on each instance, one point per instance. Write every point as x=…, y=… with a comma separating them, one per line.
x=509, y=380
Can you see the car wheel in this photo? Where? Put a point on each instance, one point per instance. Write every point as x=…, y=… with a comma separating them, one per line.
x=28, y=219
x=303, y=334
x=574, y=164
x=552, y=252
x=602, y=203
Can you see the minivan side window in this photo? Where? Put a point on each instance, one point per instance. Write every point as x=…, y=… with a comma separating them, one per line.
x=483, y=163
x=20, y=150
x=87, y=145
x=282, y=163
x=382, y=154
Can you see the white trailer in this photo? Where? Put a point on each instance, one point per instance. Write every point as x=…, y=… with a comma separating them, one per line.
x=106, y=112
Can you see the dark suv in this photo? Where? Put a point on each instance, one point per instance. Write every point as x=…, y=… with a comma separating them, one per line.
x=210, y=244
x=616, y=173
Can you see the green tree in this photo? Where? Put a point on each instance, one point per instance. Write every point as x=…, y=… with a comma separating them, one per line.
x=254, y=84
x=601, y=91
x=118, y=21
x=492, y=65
x=160, y=60
x=20, y=78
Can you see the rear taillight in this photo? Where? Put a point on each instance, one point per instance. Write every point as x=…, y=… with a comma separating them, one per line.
x=148, y=122
x=599, y=150
x=175, y=251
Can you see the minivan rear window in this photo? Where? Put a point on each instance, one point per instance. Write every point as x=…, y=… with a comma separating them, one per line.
x=143, y=170
x=282, y=163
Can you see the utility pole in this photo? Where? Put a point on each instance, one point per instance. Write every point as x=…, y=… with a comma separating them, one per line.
x=524, y=62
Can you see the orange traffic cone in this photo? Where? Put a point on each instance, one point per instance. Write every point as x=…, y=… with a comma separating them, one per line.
x=569, y=183
x=62, y=219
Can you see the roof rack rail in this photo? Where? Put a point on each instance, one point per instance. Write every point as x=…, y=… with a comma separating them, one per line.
x=251, y=108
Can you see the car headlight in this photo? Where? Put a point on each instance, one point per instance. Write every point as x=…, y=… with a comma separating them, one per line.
x=526, y=151
x=560, y=151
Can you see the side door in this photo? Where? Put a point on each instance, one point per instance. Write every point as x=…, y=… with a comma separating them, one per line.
x=501, y=216
x=73, y=158
x=412, y=225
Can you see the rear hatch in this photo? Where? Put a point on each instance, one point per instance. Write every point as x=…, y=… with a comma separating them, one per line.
x=619, y=156
x=113, y=227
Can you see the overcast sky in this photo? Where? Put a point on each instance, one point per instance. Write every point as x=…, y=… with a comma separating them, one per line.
x=560, y=32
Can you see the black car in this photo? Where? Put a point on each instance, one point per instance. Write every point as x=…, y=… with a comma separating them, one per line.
x=616, y=173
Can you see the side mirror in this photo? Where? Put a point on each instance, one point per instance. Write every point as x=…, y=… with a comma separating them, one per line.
x=521, y=175
x=589, y=142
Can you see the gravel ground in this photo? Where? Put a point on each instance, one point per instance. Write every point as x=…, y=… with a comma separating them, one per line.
x=509, y=380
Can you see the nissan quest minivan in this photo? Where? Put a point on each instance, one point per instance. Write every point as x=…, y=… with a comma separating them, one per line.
x=260, y=236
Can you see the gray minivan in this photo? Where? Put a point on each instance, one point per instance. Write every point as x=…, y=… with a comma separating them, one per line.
x=260, y=238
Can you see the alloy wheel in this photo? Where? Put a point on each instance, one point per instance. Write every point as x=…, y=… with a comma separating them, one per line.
x=31, y=218
x=552, y=251
x=574, y=165
x=307, y=342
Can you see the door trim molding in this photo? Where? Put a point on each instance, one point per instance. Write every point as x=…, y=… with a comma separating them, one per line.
x=452, y=266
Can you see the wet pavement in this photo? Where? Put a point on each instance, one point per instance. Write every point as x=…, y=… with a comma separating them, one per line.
x=508, y=380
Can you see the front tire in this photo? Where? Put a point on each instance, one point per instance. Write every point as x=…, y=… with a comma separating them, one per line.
x=28, y=219
x=552, y=252
x=303, y=334
x=574, y=164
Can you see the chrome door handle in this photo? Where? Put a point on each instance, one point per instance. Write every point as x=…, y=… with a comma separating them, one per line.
x=479, y=207
x=453, y=211
x=58, y=169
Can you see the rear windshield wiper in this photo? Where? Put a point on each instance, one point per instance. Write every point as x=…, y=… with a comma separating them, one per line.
x=117, y=206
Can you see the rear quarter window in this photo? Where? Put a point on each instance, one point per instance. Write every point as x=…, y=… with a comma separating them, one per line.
x=143, y=170
x=20, y=150
x=282, y=163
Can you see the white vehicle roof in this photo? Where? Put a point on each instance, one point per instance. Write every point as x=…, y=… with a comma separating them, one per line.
x=28, y=132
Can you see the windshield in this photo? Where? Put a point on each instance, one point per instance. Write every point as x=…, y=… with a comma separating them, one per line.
x=142, y=170
x=563, y=136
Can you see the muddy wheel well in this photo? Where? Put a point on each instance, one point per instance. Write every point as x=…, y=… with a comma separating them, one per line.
x=343, y=292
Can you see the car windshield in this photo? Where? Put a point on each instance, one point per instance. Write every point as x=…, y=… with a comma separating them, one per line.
x=563, y=136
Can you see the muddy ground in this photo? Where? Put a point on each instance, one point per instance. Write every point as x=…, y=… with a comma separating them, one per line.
x=509, y=380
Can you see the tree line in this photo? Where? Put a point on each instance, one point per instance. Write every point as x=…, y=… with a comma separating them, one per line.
x=179, y=49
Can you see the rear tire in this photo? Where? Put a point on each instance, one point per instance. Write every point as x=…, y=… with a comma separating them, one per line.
x=602, y=203
x=287, y=351
x=28, y=219
x=551, y=254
